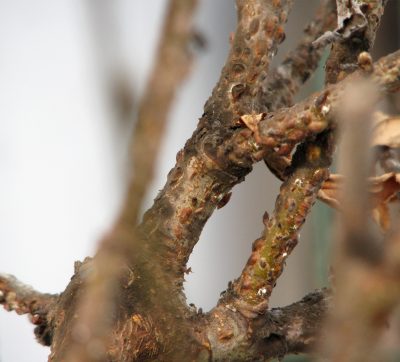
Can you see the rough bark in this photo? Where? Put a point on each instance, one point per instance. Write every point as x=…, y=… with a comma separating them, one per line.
x=283, y=82
x=127, y=303
x=21, y=298
x=199, y=328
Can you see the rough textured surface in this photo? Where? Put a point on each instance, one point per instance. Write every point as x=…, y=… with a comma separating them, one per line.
x=21, y=298
x=358, y=21
x=284, y=81
x=127, y=303
x=296, y=197
x=245, y=147
x=200, y=180
x=277, y=332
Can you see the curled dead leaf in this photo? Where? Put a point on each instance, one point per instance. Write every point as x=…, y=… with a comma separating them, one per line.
x=383, y=190
x=386, y=131
x=251, y=121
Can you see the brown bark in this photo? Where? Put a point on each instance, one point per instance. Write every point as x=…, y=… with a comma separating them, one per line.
x=21, y=298
x=127, y=302
x=152, y=343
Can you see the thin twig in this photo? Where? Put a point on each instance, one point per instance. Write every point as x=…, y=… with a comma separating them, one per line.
x=284, y=82
x=297, y=195
x=358, y=22
x=21, y=298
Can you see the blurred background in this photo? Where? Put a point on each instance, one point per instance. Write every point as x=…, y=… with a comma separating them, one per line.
x=71, y=75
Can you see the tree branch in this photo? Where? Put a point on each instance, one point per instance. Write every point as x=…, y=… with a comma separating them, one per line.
x=250, y=293
x=358, y=22
x=279, y=331
x=284, y=82
x=281, y=131
x=198, y=182
x=121, y=247
x=295, y=328
x=141, y=269
x=14, y=295
x=297, y=195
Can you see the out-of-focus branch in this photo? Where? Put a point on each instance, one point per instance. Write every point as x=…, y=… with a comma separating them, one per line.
x=122, y=246
x=366, y=272
x=173, y=62
x=17, y=296
x=355, y=130
x=361, y=303
x=356, y=118
x=112, y=71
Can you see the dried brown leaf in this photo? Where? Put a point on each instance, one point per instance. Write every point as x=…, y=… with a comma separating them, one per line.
x=383, y=190
x=386, y=131
x=381, y=216
x=251, y=121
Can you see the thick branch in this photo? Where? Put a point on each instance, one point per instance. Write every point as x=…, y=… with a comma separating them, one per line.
x=198, y=183
x=291, y=329
x=295, y=328
x=284, y=129
x=241, y=86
